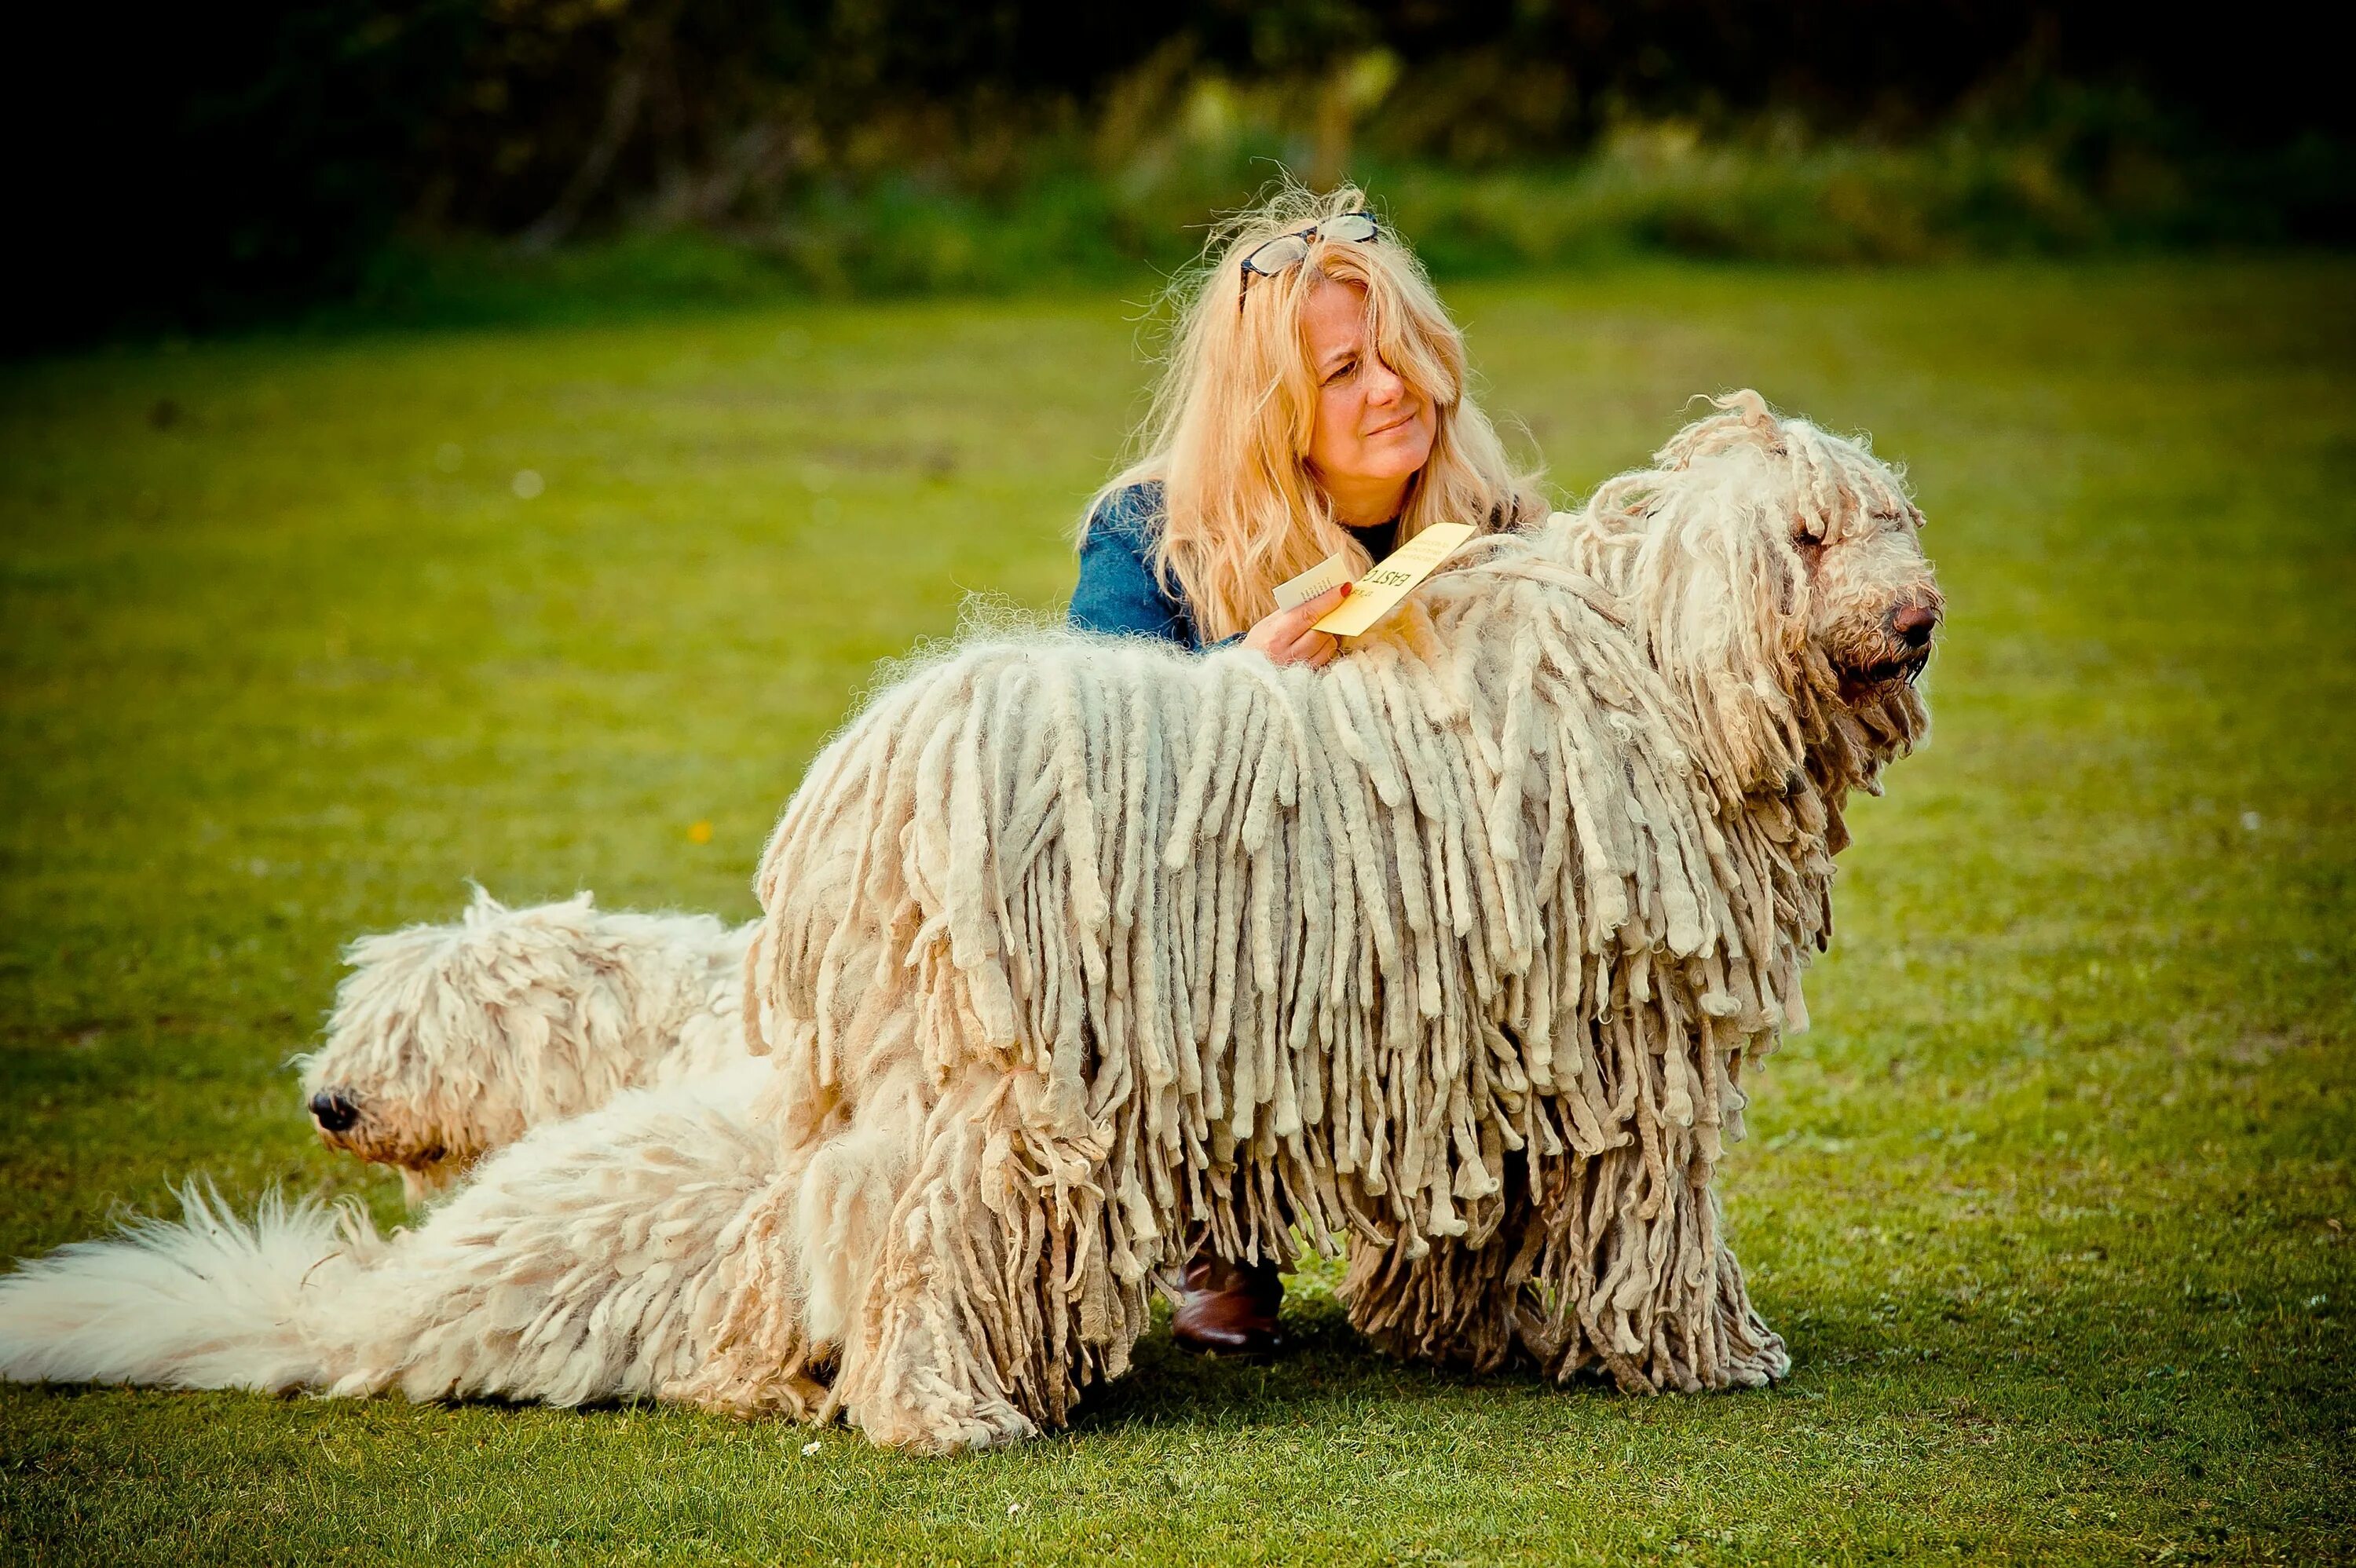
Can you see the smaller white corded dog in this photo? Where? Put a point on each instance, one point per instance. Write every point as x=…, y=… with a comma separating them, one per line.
x=450, y=1041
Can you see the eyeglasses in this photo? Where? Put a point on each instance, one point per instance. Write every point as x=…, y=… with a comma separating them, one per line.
x=1288, y=251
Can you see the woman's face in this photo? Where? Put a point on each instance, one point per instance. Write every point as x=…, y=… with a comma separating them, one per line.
x=1373, y=431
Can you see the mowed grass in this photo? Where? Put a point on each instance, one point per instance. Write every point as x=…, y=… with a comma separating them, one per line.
x=2052, y=1204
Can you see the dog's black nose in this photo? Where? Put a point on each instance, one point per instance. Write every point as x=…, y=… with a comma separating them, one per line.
x=1914, y=622
x=332, y=1111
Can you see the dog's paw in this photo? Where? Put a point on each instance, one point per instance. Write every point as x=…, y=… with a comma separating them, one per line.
x=962, y=1427
x=998, y=1423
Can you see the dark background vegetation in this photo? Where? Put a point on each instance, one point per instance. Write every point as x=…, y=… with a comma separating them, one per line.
x=194, y=167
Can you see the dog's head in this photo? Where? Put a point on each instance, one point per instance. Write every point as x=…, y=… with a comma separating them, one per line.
x=441, y=1037
x=1779, y=573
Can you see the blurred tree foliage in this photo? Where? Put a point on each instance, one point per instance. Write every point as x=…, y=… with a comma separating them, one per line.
x=195, y=167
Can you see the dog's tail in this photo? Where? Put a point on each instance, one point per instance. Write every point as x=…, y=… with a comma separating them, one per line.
x=207, y=1301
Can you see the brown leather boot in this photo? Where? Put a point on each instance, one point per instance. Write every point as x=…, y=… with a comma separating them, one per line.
x=1229, y=1307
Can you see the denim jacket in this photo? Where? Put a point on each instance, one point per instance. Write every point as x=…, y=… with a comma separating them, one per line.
x=1118, y=590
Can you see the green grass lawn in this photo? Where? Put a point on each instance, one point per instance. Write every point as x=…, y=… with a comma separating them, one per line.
x=2054, y=1203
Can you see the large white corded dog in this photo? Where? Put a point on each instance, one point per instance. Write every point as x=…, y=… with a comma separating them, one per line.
x=1077, y=953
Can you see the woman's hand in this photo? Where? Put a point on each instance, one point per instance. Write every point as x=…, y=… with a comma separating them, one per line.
x=1290, y=637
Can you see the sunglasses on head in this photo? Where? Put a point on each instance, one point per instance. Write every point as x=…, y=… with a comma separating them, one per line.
x=1288, y=251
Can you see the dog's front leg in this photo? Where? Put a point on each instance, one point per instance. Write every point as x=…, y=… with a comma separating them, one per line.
x=955, y=1342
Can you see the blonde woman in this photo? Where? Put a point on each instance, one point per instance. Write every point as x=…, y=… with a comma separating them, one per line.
x=1316, y=403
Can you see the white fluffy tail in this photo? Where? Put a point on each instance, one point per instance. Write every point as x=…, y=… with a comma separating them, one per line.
x=210, y=1301
x=609, y=1256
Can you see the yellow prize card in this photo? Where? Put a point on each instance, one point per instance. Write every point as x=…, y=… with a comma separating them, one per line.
x=1394, y=577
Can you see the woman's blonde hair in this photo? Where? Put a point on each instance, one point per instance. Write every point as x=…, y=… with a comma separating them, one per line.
x=1227, y=435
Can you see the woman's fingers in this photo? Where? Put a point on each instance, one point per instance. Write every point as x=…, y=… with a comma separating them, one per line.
x=1309, y=612
x=1312, y=611
x=1314, y=648
x=1290, y=637
x=1308, y=644
x=1297, y=621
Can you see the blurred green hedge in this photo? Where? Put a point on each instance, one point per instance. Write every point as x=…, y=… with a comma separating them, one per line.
x=1652, y=189
x=457, y=159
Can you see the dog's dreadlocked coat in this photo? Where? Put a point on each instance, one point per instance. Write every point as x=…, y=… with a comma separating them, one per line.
x=1077, y=953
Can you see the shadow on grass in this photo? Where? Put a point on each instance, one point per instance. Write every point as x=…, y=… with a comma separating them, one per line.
x=1327, y=1377
x=1325, y=1368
